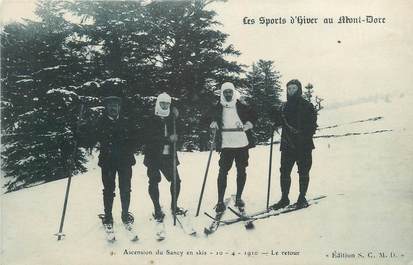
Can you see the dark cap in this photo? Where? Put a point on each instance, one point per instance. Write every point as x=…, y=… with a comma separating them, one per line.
x=112, y=99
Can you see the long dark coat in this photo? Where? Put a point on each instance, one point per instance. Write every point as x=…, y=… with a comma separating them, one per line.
x=118, y=139
x=154, y=139
x=299, y=122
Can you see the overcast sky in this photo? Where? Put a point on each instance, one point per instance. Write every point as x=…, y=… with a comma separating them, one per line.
x=342, y=61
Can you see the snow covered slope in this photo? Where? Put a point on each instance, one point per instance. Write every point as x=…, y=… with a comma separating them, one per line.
x=363, y=166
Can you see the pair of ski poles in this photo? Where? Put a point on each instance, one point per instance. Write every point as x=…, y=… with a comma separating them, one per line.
x=209, y=162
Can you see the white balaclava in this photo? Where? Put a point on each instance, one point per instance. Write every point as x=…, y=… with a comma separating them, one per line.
x=235, y=97
x=158, y=110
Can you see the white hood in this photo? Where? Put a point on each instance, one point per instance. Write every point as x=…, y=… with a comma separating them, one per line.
x=158, y=110
x=235, y=97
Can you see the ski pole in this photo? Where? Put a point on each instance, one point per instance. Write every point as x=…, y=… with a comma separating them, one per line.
x=214, y=132
x=60, y=234
x=174, y=167
x=269, y=169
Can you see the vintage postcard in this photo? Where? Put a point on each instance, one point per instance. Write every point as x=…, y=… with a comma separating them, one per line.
x=206, y=132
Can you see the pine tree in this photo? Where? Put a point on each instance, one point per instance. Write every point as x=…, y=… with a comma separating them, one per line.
x=263, y=92
x=167, y=46
x=318, y=105
x=309, y=96
x=52, y=65
x=308, y=93
x=39, y=77
x=192, y=58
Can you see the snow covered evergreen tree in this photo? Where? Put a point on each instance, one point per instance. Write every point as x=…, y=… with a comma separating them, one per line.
x=39, y=78
x=80, y=51
x=192, y=58
x=263, y=92
x=167, y=46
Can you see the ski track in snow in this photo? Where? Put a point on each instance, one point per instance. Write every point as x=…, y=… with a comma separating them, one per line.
x=367, y=178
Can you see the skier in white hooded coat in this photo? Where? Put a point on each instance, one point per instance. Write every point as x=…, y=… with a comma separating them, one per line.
x=234, y=121
x=158, y=140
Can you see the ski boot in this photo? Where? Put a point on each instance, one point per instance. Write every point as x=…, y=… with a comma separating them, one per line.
x=301, y=202
x=281, y=203
x=107, y=219
x=127, y=218
x=158, y=215
x=179, y=211
x=239, y=203
x=220, y=207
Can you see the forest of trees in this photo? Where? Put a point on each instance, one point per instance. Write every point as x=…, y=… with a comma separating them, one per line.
x=81, y=51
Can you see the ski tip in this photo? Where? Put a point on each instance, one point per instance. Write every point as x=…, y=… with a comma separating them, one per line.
x=207, y=231
x=160, y=236
x=249, y=226
x=159, y=239
x=234, y=211
x=210, y=216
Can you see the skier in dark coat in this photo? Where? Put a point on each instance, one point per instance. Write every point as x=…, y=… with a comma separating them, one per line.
x=158, y=149
x=298, y=119
x=234, y=121
x=117, y=136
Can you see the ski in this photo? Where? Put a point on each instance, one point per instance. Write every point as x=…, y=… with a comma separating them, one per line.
x=160, y=233
x=215, y=223
x=242, y=215
x=216, y=220
x=185, y=224
x=132, y=235
x=109, y=231
x=248, y=223
x=287, y=209
x=270, y=212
